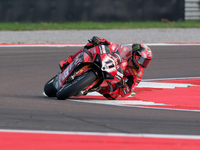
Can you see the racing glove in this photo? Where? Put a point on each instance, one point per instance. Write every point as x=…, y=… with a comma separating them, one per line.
x=123, y=89
x=94, y=41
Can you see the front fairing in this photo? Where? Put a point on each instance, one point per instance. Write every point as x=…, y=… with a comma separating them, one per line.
x=101, y=62
x=109, y=65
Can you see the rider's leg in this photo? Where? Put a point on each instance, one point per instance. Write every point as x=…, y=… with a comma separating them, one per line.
x=63, y=64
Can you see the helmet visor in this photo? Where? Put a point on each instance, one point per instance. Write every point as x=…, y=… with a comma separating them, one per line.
x=144, y=62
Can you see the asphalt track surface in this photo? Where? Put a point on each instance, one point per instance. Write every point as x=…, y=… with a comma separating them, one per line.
x=25, y=70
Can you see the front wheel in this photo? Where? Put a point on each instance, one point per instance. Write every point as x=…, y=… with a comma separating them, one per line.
x=76, y=86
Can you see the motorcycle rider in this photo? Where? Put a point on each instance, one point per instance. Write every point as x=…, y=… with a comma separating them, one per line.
x=131, y=65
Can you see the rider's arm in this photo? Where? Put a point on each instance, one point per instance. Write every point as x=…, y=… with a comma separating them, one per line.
x=92, y=42
x=120, y=88
x=124, y=88
x=132, y=81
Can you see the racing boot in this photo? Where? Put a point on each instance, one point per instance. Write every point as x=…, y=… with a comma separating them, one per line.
x=63, y=64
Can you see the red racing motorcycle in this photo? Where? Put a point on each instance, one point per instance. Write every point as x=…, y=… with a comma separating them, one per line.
x=89, y=71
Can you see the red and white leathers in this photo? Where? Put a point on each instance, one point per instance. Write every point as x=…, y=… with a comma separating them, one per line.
x=122, y=54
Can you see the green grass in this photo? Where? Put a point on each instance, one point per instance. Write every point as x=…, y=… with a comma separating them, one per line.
x=96, y=25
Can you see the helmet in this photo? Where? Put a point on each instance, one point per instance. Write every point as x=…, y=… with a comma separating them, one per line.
x=141, y=55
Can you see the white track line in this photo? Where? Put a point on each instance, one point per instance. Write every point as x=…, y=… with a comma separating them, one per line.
x=143, y=105
x=121, y=102
x=162, y=85
x=144, y=135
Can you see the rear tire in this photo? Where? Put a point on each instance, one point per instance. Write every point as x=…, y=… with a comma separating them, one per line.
x=76, y=86
x=49, y=88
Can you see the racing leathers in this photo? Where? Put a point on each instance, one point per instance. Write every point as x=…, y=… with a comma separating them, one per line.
x=131, y=75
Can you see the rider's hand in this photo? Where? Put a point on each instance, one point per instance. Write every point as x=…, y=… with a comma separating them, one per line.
x=95, y=40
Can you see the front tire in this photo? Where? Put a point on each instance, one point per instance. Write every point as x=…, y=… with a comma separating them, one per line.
x=49, y=88
x=76, y=86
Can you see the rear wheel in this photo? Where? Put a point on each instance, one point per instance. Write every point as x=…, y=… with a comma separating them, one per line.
x=49, y=88
x=76, y=86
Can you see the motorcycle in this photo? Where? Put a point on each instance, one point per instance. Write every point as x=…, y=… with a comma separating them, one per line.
x=90, y=70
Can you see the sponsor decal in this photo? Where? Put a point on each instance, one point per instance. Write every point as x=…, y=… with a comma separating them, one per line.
x=124, y=92
x=138, y=81
x=118, y=57
x=118, y=77
x=120, y=74
x=134, y=71
x=148, y=49
x=136, y=47
x=114, y=46
x=120, y=70
x=103, y=49
x=125, y=49
x=124, y=56
x=139, y=74
x=100, y=50
x=127, y=72
x=124, y=64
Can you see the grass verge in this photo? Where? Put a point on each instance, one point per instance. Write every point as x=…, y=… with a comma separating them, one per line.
x=96, y=25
